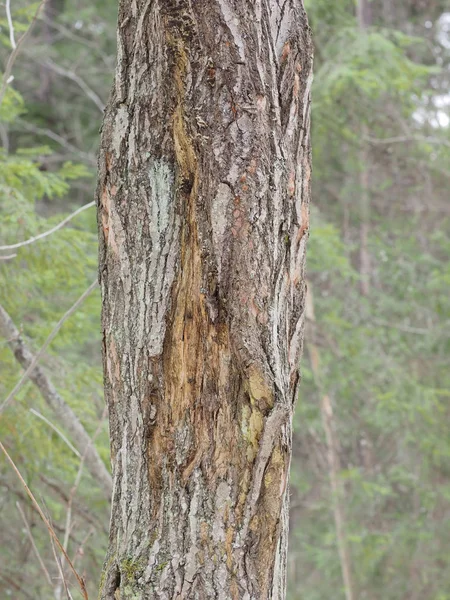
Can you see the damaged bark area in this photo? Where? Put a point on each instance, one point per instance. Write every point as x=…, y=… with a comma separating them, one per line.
x=203, y=196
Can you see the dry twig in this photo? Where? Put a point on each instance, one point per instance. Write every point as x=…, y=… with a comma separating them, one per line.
x=50, y=231
x=46, y=522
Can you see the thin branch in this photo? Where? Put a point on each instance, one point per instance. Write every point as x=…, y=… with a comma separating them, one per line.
x=436, y=168
x=10, y=24
x=58, y=431
x=46, y=522
x=74, y=489
x=79, y=81
x=334, y=468
x=80, y=550
x=13, y=583
x=108, y=60
x=61, y=575
x=23, y=498
x=50, y=231
x=14, y=54
x=45, y=345
x=59, y=139
x=81, y=510
x=62, y=410
x=326, y=412
x=400, y=327
x=8, y=257
x=5, y=139
x=33, y=544
x=407, y=138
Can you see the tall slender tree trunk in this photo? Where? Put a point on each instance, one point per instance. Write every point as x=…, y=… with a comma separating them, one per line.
x=50, y=11
x=203, y=194
x=364, y=14
x=333, y=450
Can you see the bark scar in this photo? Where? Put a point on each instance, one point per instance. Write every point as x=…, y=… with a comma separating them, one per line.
x=278, y=417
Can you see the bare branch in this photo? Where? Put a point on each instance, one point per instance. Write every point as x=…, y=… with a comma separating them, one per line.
x=401, y=327
x=408, y=138
x=74, y=489
x=11, y=581
x=14, y=54
x=5, y=138
x=80, y=550
x=46, y=522
x=5, y=317
x=62, y=410
x=59, y=139
x=61, y=575
x=79, y=81
x=332, y=459
x=33, y=544
x=10, y=24
x=58, y=431
x=8, y=257
x=80, y=509
x=50, y=231
x=108, y=60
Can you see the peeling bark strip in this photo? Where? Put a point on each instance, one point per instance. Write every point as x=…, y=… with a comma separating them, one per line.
x=203, y=193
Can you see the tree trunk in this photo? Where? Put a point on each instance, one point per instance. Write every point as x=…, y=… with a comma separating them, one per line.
x=364, y=14
x=203, y=194
x=333, y=450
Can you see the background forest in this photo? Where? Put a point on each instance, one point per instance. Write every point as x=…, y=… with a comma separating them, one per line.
x=370, y=486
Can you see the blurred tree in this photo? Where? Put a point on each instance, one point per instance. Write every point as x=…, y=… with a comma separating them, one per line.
x=377, y=136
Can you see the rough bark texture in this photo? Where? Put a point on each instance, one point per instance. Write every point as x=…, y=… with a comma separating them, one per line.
x=203, y=193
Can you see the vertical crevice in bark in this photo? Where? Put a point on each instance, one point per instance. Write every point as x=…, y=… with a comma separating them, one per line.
x=203, y=195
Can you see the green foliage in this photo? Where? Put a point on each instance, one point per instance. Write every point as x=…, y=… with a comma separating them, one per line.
x=12, y=106
x=37, y=286
x=369, y=64
x=327, y=251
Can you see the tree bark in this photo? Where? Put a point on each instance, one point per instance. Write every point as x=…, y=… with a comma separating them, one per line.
x=203, y=208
